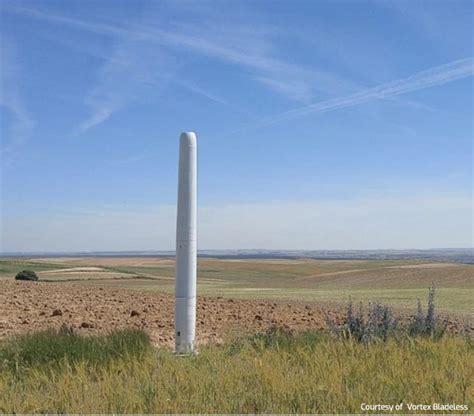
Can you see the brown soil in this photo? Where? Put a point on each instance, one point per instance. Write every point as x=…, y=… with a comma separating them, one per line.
x=28, y=306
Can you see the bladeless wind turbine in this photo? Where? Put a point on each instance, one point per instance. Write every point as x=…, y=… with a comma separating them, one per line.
x=186, y=251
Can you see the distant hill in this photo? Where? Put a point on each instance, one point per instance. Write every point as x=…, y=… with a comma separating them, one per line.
x=459, y=255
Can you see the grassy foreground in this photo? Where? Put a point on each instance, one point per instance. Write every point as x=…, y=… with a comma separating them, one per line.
x=274, y=373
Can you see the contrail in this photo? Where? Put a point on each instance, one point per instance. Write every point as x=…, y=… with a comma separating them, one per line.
x=438, y=75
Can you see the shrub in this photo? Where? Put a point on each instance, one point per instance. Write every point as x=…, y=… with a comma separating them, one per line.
x=26, y=275
x=379, y=323
x=428, y=325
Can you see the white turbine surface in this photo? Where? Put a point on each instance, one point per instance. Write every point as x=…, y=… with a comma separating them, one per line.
x=186, y=256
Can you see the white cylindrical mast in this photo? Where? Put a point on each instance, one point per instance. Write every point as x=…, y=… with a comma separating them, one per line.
x=186, y=255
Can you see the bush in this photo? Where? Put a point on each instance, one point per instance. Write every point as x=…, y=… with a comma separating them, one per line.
x=378, y=322
x=27, y=275
x=427, y=325
x=55, y=347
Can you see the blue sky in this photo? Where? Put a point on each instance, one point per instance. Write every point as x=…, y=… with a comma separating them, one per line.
x=321, y=124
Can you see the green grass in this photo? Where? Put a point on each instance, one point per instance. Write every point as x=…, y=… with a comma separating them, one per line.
x=448, y=299
x=458, y=300
x=51, y=348
x=273, y=373
x=10, y=267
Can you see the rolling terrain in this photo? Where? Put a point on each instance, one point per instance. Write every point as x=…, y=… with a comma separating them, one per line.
x=259, y=336
x=95, y=294
x=396, y=282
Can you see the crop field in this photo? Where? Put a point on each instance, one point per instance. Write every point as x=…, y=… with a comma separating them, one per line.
x=397, y=282
x=94, y=335
x=96, y=294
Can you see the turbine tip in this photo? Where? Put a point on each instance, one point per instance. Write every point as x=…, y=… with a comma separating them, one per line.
x=188, y=138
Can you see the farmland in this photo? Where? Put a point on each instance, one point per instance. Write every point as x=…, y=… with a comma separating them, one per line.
x=240, y=301
x=395, y=282
x=96, y=294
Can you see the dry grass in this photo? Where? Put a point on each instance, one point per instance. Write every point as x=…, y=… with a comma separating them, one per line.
x=309, y=373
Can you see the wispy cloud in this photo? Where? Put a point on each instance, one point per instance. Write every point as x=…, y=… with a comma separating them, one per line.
x=142, y=48
x=255, y=51
x=22, y=123
x=203, y=93
x=191, y=87
x=133, y=68
x=294, y=88
x=439, y=75
x=446, y=26
x=111, y=91
x=98, y=28
x=231, y=43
